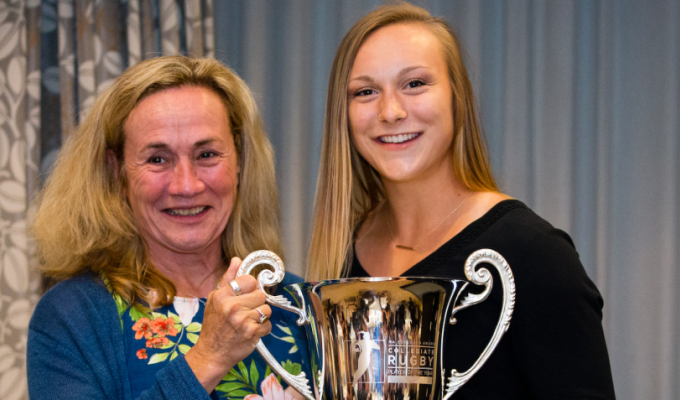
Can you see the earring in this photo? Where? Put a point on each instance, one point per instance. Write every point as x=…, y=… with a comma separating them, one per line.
x=380, y=118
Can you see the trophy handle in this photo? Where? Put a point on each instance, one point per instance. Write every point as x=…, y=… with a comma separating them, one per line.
x=268, y=277
x=483, y=277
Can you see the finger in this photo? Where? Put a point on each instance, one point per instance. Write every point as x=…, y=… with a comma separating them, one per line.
x=246, y=301
x=230, y=274
x=234, y=264
x=246, y=283
x=262, y=313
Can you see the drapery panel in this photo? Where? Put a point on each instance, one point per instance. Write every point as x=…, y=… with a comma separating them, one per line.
x=56, y=56
x=19, y=155
x=580, y=103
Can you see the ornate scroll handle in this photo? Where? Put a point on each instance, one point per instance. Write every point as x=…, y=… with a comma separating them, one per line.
x=483, y=277
x=270, y=278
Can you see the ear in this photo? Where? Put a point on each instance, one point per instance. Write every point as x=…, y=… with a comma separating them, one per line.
x=112, y=162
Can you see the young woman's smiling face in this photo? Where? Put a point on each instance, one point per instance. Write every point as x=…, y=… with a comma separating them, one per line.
x=401, y=103
x=182, y=169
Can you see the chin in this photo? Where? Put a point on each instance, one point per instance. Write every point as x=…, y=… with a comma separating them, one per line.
x=189, y=246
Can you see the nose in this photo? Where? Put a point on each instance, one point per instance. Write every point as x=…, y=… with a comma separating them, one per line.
x=391, y=108
x=185, y=180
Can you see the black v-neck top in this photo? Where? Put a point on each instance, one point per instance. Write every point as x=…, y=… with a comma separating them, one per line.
x=555, y=346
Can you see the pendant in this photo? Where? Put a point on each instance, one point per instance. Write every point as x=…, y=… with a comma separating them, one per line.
x=399, y=246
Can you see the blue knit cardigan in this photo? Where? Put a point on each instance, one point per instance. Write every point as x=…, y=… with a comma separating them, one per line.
x=76, y=350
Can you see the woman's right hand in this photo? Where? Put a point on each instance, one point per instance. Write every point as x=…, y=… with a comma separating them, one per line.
x=231, y=327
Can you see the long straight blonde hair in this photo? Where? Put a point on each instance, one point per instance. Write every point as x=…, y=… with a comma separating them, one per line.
x=83, y=223
x=348, y=188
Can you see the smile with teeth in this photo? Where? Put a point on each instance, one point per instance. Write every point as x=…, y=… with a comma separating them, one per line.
x=398, y=138
x=185, y=212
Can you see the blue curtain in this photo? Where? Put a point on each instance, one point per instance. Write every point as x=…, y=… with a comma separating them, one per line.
x=580, y=101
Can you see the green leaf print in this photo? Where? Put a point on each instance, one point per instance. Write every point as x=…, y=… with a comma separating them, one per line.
x=244, y=371
x=160, y=357
x=175, y=318
x=193, y=338
x=285, y=329
x=174, y=355
x=183, y=348
x=194, y=327
x=229, y=387
x=233, y=375
x=136, y=314
x=254, y=374
x=291, y=367
x=288, y=339
x=239, y=393
x=168, y=345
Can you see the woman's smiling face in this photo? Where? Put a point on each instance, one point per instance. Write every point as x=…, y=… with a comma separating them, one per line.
x=182, y=169
x=401, y=103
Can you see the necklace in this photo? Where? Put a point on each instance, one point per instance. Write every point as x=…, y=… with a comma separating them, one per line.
x=401, y=246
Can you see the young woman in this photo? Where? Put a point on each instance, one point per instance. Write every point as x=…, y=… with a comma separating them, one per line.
x=405, y=188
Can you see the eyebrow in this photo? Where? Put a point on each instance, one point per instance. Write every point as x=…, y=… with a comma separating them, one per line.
x=161, y=145
x=399, y=75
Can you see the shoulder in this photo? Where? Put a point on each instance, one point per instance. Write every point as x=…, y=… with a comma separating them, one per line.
x=83, y=299
x=515, y=224
x=78, y=291
x=546, y=266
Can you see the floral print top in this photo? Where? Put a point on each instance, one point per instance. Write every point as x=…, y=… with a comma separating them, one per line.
x=153, y=339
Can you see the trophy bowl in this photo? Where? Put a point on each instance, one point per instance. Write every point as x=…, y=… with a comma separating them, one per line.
x=382, y=338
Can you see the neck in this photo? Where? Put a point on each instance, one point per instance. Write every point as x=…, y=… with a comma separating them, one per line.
x=193, y=274
x=413, y=209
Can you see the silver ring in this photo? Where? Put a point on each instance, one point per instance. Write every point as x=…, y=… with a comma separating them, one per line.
x=263, y=318
x=236, y=287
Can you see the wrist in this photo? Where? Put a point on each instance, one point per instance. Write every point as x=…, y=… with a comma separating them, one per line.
x=208, y=372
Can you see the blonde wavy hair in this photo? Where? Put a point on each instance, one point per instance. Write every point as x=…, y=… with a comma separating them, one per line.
x=348, y=188
x=84, y=224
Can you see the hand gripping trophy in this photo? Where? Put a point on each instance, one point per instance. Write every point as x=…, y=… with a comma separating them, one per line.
x=382, y=337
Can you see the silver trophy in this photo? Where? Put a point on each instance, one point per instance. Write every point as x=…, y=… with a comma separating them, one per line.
x=382, y=338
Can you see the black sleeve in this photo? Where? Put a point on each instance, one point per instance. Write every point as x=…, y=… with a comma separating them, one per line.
x=558, y=336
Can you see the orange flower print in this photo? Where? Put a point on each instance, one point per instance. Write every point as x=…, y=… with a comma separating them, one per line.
x=141, y=354
x=162, y=328
x=157, y=342
x=143, y=329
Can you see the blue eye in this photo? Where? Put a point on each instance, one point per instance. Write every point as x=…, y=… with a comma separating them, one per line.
x=207, y=154
x=364, y=92
x=415, y=83
x=156, y=160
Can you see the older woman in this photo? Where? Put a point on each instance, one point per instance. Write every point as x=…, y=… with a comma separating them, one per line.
x=169, y=177
x=405, y=188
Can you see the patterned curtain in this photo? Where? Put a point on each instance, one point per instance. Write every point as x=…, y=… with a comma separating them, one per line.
x=56, y=56
x=19, y=155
